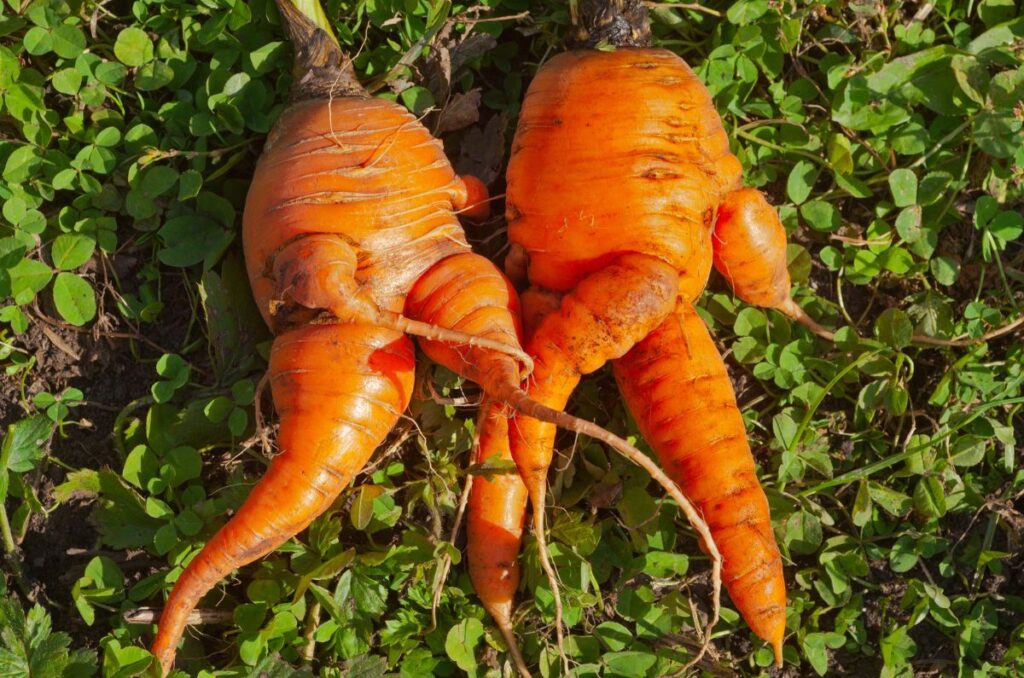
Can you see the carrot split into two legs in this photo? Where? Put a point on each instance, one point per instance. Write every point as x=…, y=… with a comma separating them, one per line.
x=622, y=193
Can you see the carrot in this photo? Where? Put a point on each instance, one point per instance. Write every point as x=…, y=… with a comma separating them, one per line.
x=622, y=194
x=351, y=244
x=750, y=252
x=494, y=526
x=478, y=206
x=676, y=387
x=446, y=296
x=331, y=421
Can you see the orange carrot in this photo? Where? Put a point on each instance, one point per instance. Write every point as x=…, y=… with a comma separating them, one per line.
x=676, y=387
x=494, y=526
x=478, y=206
x=750, y=252
x=621, y=194
x=351, y=243
x=331, y=421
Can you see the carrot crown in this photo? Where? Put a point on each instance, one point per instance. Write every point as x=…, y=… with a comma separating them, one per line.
x=321, y=68
x=616, y=23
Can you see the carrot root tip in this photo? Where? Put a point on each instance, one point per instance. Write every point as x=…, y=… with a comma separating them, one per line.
x=794, y=311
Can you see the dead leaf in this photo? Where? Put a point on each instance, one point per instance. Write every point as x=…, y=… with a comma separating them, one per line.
x=461, y=111
x=483, y=150
x=476, y=45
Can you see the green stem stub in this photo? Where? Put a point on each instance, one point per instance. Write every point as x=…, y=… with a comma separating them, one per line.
x=321, y=68
x=615, y=23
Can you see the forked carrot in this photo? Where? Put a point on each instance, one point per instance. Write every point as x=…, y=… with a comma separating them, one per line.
x=622, y=193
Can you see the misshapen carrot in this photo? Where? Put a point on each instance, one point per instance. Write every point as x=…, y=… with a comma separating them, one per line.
x=620, y=157
x=331, y=421
x=351, y=244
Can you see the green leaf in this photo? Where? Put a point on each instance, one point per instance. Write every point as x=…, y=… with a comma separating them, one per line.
x=24, y=442
x=903, y=184
x=189, y=240
x=28, y=278
x=67, y=81
x=862, y=508
x=108, y=136
x=22, y=164
x=187, y=462
x=801, y=180
x=662, y=565
x=997, y=133
x=994, y=12
x=892, y=502
x=37, y=41
x=821, y=216
x=157, y=180
x=189, y=185
x=945, y=270
x=461, y=642
x=908, y=224
x=816, y=652
x=104, y=573
x=154, y=75
x=997, y=36
x=417, y=99
x=68, y=41
x=156, y=508
x=746, y=11
x=71, y=250
x=630, y=664
x=894, y=328
x=920, y=78
x=903, y=555
x=972, y=76
x=803, y=532
x=362, y=507
x=119, y=512
x=636, y=506
x=614, y=636
x=130, y=660
x=74, y=298
x=165, y=538
x=188, y=523
x=978, y=628
x=140, y=465
x=133, y=47
x=930, y=497
x=1007, y=226
x=968, y=451
x=840, y=154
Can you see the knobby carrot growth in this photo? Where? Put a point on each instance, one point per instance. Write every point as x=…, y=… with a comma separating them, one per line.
x=351, y=245
x=622, y=194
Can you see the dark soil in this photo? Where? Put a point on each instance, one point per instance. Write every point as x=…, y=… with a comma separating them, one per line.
x=110, y=371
